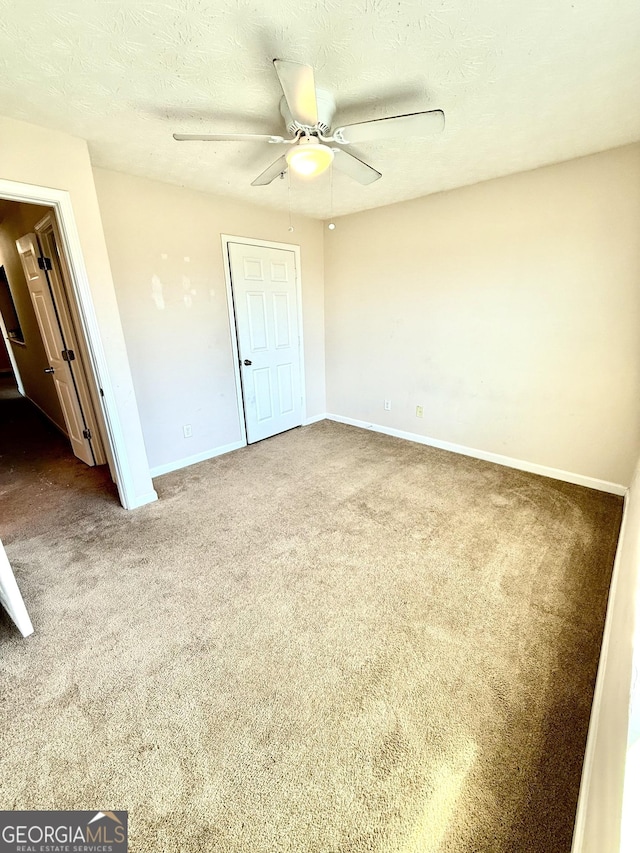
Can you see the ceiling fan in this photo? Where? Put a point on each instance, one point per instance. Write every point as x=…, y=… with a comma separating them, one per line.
x=308, y=113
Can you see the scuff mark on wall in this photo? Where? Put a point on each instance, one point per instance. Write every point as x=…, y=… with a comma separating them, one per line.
x=186, y=286
x=156, y=292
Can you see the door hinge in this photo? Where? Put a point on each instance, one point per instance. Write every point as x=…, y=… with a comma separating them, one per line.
x=87, y=434
x=44, y=263
x=68, y=355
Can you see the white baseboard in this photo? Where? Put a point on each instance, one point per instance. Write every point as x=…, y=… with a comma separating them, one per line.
x=508, y=461
x=497, y=458
x=314, y=419
x=192, y=460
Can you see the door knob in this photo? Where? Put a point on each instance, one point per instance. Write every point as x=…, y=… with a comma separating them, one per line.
x=49, y=370
x=247, y=362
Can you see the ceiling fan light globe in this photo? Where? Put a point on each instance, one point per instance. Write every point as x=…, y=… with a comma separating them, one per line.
x=309, y=158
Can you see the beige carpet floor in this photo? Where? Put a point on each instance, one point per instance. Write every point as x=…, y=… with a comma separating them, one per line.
x=330, y=642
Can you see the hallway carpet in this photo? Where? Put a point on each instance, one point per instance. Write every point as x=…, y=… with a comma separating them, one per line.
x=39, y=475
x=330, y=642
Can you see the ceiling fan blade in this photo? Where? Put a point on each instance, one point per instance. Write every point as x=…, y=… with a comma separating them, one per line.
x=299, y=89
x=414, y=124
x=228, y=137
x=271, y=172
x=354, y=167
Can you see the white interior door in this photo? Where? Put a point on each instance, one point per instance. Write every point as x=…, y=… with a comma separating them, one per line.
x=10, y=597
x=59, y=369
x=48, y=237
x=265, y=295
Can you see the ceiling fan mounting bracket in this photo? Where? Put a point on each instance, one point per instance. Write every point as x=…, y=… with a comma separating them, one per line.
x=326, y=110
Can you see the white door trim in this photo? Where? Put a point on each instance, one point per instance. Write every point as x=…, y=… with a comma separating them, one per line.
x=10, y=597
x=267, y=244
x=60, y=200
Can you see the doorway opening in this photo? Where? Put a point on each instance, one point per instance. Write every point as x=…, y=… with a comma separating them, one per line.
x=264, y=296
x=128, y=466
x=47, y=363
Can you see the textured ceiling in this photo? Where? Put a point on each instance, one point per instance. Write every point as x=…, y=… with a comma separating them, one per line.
x=522, y=84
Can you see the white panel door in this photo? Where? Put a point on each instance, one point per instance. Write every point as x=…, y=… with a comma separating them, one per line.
x=265, y=296
x=54, y=347
x=48, y=237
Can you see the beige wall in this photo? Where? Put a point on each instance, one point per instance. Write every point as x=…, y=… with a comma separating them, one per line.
x=166, y=255
x=630, y=829
x=510, y=310
x=18, y=220
x=46, y=158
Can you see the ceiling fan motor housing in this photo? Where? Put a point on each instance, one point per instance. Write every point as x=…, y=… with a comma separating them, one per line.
x=326, y=112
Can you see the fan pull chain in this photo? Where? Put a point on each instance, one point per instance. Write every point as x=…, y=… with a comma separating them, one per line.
x=289, y=199
x=331, y=224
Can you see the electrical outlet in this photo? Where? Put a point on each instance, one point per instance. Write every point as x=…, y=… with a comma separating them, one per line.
x=387, y=405
x=419, y=411
x=186, y=429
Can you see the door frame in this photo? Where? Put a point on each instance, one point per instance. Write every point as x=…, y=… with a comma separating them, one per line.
x=265, y=244
x=11, y=598
x=80, y=294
